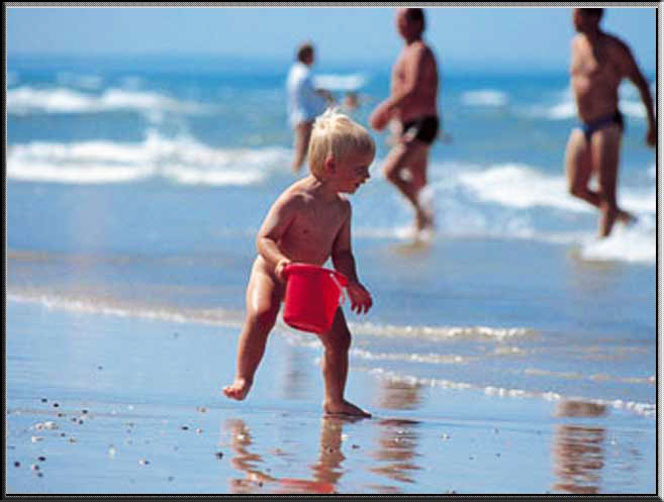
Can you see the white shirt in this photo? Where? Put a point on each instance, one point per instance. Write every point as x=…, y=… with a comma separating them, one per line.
x=304, y=103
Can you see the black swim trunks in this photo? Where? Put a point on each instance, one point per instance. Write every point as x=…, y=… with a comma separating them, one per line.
x=425, y=129
x=597, y=124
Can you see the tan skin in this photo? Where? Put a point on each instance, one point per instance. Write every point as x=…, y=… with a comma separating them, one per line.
x=599, y=63
x=413, y=95
x=309, y=223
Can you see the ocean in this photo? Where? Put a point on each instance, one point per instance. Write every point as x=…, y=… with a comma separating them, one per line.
x=135, y=188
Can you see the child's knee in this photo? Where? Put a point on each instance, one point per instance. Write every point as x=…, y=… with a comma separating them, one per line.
x=265, y=319
x=337, y=341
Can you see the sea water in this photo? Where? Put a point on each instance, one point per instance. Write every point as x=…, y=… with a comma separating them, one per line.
x=136, y=188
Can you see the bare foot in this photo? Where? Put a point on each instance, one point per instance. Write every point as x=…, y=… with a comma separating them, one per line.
x=238, y=389
x=607, y=219
x=424, y=220
x=626, y=218
x=344, y=408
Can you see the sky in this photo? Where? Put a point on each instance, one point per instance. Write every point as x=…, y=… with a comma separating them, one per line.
x=537, y=37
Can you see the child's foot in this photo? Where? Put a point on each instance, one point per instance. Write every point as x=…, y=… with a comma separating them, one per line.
x=238, y=389
x=344, y=408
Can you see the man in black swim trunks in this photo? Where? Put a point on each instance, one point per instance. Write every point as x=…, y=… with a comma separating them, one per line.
x=413, y=104
x=599, y=63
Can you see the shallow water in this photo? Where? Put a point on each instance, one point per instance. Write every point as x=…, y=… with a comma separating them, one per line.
x=135, y=189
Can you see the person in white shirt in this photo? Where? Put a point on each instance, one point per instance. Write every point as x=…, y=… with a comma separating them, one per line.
x=305, y=102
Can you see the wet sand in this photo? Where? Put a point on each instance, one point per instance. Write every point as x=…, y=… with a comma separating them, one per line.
x=105, y=404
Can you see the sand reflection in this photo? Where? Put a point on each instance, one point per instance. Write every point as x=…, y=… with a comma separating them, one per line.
x=326, y=471
x=578, y=450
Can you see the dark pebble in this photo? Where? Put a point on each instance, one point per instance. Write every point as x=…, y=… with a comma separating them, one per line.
x=55, y=405
x=85, y=412
x=80, y=421
x=44, y=400
x=40, y=474
x=60, y=414
x=219, y=454
x=41, y=459
x=17, y=464
x=185, y=427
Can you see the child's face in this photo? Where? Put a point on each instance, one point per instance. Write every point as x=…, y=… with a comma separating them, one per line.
x=352, y=171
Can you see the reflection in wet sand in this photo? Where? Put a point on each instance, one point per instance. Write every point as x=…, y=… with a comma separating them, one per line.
x=399, y=395
x=326, y=471
x=244, y=460
x=397, y=450
x=398, y=438
x=579, y=450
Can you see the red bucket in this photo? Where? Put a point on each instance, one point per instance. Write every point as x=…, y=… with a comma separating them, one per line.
x=313, y=295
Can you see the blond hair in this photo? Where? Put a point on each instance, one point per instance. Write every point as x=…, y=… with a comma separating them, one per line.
x=336, y=135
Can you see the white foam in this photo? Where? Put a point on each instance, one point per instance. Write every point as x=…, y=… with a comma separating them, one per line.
x=566, y=110
x=110, y=307
x=439, y=332
x=332, y=82
x=484, y=97
x=643, y=409
x=523, y=186
x=520, y=186
x=180, y=160
x=635, y=244
x=30, y=100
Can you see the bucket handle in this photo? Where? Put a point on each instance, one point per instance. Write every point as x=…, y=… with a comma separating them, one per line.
x=341, y=281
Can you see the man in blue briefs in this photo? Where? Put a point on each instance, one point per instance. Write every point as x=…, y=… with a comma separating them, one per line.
x=305, y=102
x=599, y=63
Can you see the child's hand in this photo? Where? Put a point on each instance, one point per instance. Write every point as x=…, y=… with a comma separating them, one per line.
x=281, y=266
x=360, y=298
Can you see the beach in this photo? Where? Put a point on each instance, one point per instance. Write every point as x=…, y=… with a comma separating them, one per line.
x=512, y=341
x=117, y=400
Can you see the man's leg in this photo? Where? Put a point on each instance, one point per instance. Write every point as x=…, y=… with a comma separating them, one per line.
x=401, y=157
x=418, y=171
x=605, y=147
x=301, y=144
x=578, y=166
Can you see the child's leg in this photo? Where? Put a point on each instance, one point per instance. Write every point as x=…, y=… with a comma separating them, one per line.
x=335, y=368
x=263, y=301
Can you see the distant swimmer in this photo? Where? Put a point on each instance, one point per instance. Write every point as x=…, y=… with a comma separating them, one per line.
x=413, y=105
x=599, y=63
x=305, y=101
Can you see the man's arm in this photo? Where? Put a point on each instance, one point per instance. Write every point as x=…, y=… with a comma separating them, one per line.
x=633, y=73
x=413, y=71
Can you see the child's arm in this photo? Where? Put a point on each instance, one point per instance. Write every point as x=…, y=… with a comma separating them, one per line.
x=277, y=221
x=344, y=262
